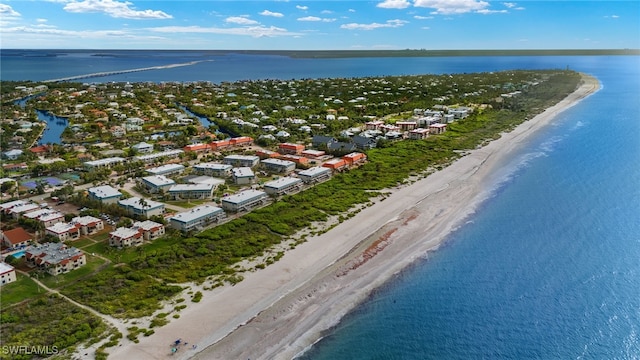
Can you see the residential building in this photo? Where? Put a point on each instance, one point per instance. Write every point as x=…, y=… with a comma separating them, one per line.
x=46, y=217
x=289, y=148
x=240, y=141
x=105, y=194
x=419, y=134
x=16, y=238
x=335, y=164
x=322, y=141
x=243, y=176
x=219, y=144
x=88, y=224
x=267, y=154
x=151, y=230
x=278, y=166
x=17, y=211
x=296, y=159
x=282, y=186
x=102, y=163
x=168, y=169
x=315, y=175
x=64, y=231
x=124, y=237
x=6, y=207
x=197, y=218
x=215, y=182
x=364, y=143
x=191, y=191
x=355, y=158
x=143, y=148
x=313, y=154
x=200, y=147
x=142, y=207
x=167, y=154
x=241, y=160
x=7, y=273
x=157, y=183
x=437, y=128
x=55, y=258
x=244, y=200
x=213, y=169
x=407, y=125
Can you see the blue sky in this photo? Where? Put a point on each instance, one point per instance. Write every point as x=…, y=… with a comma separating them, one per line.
x=319, y=25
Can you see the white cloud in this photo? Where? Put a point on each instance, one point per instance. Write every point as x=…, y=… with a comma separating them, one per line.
x=271, y=13
x=372, y=26
x=487, y=11
x=41, y=20
x=114, y=9
x=315, y=18
x=352, y=10
x=510, y=5
x=452, y=6
x=242, y=20
x=394, y=4
x=326, y=12
x=612, y=16
x=418, y=17
x=254, y=31
x=299, y=7
x=7, y=11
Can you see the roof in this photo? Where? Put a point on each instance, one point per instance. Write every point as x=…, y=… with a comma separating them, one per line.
x=134, y=202
x=168, y=153
x=243, y=172
x=196, y=213
x=213, y=166
x=61, y=227
x=278, y=162
x=105, y=161
x=158, y=180
x=282, y=183
x=165, y=169
x=85, y=220
x=17, y=235
x=191, y=187
x=146, y=225
x=244, y=196
x=206, y=180
x=125, y=233
x=315, y=171
x=5, y=268
x=104, y=191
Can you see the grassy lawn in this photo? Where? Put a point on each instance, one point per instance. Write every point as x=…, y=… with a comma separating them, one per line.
x=22, y=289
x=100, y=237
x=82, y=243
x=187, y=204
x=93, y=263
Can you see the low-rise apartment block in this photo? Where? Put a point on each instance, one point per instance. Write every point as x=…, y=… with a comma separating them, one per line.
x=197, y=218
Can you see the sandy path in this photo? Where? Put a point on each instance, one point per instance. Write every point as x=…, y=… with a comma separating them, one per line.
x=277, y=312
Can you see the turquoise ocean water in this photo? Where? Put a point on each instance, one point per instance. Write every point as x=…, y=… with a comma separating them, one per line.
x=549, y=265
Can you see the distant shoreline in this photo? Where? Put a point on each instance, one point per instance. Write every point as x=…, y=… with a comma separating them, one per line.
x=319, y=54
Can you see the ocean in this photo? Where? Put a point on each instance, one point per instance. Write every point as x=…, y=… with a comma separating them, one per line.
x=548, y=267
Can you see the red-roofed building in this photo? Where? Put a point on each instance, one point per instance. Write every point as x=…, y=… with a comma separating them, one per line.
x=55, y=258
x=16, y=238
x=219, y=144
x=354, y=158
x=289, y=148
x=266, y=154
x=39, y=150
x=242, y=140
x=335, y=164
x=296, y=159
x=197, y=147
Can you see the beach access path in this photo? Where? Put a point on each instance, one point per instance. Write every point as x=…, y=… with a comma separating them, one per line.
x=279, y=311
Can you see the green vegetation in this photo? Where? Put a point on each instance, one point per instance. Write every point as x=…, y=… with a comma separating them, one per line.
x=22, y=289
x=48, y=320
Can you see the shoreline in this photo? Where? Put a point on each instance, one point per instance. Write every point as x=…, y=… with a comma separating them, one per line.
x=282, y=310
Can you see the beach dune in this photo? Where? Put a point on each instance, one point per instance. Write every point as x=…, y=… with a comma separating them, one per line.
x=279, y=311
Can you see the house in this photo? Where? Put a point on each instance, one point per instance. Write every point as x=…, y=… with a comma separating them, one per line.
x=278, y=166
x=373, y=125
x=241, y=160
x=12, y=154
x=320, y=141
x=419, y=134
x=151, y=230
x=16, y=238
x=6, y=207
x=191, y=191
x=244, y=200
x=364, y=143
x=289, y=148
x=124, y=237
x=213, y=169
x=168, y=169
x=243, y=175
x=64, y=231
x=407, y=125
x=143, y=148
x=315, y=175
x=105, y=194
x=7, y=273
x=55, y=258
x=282, y=186
x=17, y=211
x=88, y=224
x=354, y=158
x=142, y=207
x=157, y=183
x=341, y=147
x=197, y=218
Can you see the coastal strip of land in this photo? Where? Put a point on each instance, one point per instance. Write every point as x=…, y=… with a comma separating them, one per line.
x=279, y=311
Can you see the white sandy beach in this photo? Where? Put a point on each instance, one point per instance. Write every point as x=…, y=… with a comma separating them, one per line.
x=278, y=312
